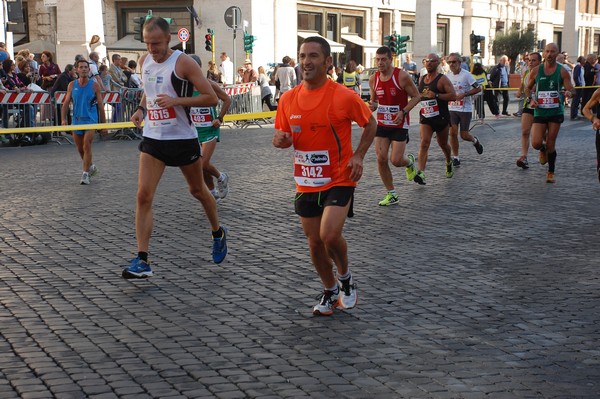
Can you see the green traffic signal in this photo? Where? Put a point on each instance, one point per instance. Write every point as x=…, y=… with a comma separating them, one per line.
x=248, y=42
x=402, y=39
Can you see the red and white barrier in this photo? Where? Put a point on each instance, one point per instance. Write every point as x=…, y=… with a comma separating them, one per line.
x=238, y=89
x=109, y=97
x=29, y=97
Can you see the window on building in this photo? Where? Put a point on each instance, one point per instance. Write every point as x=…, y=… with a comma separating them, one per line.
x=331, y=31
x=408, y=29
x=557, y=38
x=442, y=38
x=558, y=4
x=516, y=25
x=352, y=24
x=596, y=46
x=499, y=26
x=310, y=21
x=18, y=23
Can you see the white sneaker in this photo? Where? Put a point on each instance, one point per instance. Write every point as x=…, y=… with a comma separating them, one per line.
x=215, y=195
x=348, y=295
x=223, y=185
x=85, y=178
x=93, y=170
x=327, y=302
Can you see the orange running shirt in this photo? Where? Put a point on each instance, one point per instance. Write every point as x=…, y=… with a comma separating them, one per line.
x=320, y=122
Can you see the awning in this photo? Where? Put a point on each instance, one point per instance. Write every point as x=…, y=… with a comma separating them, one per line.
x=359, y=41
x=335, y=46
x=128, y=42
x=37, y=46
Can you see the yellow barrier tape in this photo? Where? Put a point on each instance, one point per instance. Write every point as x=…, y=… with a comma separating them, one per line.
x=256, y=115
x=90, y=126
x=122, y=125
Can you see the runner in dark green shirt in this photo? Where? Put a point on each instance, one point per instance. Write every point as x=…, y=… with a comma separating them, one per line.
x=550, y=79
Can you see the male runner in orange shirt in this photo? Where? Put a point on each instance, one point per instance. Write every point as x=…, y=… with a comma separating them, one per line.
x=316, y=118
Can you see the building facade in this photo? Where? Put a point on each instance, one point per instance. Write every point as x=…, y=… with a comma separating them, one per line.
x=354, y=28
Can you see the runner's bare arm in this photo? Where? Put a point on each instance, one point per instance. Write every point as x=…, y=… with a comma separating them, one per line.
x=356, y=162
x=373, y=104
x=65, y=106
x=587, y=110
x=409, y=86
x=226, y=103
x=448, y=93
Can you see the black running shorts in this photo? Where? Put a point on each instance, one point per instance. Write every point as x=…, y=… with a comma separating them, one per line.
x=549, y=119
x=172, y=152
x=438, y=124
x=310, y=205
x=392, y=133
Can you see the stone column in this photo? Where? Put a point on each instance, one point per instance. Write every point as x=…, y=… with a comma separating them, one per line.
x=77, y=22
x=570, y=39
x=425, y=40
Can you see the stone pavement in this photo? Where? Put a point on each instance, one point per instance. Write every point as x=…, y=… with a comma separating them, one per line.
x=485, y=285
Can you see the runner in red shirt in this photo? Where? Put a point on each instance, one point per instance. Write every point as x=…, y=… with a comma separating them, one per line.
x=390, y=89
x=316, y=118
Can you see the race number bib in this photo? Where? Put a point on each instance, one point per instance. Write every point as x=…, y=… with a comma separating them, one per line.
x=457, y=105
x=201, y=117
x=548, y=99
x=387, y=113
x=160, y=117
x=312, y=168
x=430, y=108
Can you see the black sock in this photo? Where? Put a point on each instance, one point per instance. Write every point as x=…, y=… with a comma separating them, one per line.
x=218, y=233
x=551, y=161
x=543, y=148
x=143, y=256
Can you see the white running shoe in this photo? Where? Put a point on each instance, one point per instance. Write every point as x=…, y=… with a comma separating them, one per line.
x=85, y=178
x=348, y=295
x=223, y=185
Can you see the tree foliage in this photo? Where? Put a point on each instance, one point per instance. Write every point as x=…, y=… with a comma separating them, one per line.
x=513, y=43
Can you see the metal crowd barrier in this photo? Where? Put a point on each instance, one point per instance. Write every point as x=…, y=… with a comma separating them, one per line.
x=21, y=110
x=245, y=99
x=31, y=109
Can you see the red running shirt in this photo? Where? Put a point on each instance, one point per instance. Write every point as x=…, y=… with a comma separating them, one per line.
x=392, y=98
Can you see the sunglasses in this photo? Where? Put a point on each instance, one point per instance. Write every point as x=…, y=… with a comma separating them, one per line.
x=452, y=62
x=431, y=60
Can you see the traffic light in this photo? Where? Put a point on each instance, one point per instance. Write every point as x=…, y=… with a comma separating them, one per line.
x=402, y=43
x=208, y=42
x=475, y=40
x=393, y=44
x=138, y=27
x=248, y=42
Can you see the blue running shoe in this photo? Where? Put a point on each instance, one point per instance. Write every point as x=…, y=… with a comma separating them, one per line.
x=219, y=250
x=137, y=269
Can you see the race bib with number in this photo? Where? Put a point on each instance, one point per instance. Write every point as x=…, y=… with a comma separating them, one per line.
x=387, y=113
x=201, y=117
x=430, y=108
x=160, y=117
x=548, y=99
x=457, y=105
x=312, y=168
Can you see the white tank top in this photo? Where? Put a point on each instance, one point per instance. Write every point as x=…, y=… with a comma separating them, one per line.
x=166, y=123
